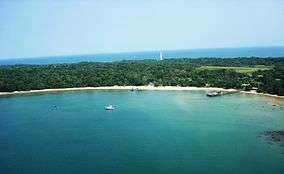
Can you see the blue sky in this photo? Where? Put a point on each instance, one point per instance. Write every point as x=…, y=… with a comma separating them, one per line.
x=46, y=28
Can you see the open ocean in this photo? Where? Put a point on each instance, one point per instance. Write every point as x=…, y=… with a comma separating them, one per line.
x=161, y=132
x=190, y=53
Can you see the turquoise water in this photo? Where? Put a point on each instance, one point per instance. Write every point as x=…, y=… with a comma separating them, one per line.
x=187, y=53
x=148, y=132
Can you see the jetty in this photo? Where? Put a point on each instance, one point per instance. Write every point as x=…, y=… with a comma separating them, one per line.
x=220, y=93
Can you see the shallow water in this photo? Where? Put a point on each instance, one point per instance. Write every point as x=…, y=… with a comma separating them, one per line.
x=148, y=132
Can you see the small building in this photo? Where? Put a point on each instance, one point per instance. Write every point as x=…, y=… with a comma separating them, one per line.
x=245, y=84
x=151, y=84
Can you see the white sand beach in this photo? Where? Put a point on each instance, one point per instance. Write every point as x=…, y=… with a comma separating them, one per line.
x=159, y=88
x=165, y=88
x=262, y=94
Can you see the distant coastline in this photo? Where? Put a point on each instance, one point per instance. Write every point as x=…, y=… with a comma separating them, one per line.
x=229, y=52
x=143, y=88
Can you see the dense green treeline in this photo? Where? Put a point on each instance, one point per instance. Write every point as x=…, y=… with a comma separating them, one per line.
x=171, y=72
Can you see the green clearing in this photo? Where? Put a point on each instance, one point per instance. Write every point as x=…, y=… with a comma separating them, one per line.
x=242, y=69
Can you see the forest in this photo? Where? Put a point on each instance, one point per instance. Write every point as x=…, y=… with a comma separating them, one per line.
x=261, y=74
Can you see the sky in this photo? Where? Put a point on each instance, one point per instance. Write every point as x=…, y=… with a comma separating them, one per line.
x=46, y=28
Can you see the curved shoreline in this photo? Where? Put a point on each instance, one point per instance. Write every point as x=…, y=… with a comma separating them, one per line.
x=262, y=94
x=159, y=88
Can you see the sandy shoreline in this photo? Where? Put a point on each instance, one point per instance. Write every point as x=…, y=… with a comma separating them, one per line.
x=160, y=88
x=262, y=94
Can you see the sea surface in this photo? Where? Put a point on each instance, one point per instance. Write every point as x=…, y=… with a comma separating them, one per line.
x=189, y=53
x=161, y=132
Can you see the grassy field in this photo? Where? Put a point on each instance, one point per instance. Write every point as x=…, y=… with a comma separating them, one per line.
x=242, y=69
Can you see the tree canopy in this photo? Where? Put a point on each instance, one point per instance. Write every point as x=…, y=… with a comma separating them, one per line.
x=169, y=72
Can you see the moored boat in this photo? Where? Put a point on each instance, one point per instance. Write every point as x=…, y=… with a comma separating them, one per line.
x=214, y=94
x=109, y=107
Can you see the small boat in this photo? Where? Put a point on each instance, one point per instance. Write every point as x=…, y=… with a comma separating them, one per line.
x=214, y=94
x=109, y=107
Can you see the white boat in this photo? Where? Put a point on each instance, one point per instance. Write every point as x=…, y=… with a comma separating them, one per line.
x=109, y=107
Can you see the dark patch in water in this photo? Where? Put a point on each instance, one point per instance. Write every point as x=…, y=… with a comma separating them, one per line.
x=275, y=137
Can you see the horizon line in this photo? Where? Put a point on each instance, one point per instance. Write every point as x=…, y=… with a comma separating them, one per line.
x=154, y=50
